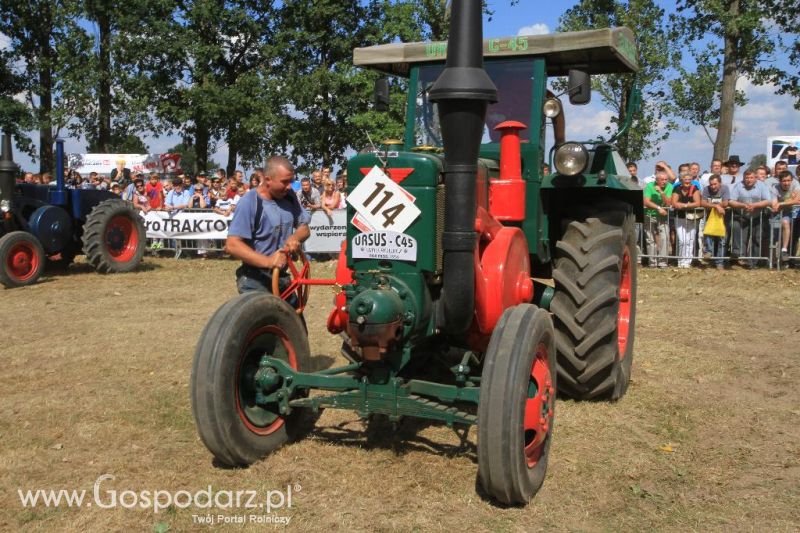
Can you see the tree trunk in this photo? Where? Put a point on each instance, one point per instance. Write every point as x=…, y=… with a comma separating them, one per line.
x=730, y=73
x=233, y=153
x=46, y=160
x=201, y=139
x=104, y=89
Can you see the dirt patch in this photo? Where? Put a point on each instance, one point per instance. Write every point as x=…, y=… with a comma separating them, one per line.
x=96, y=381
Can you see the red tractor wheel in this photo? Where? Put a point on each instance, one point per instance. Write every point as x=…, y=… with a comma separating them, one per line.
x=296, y=291
x=114, y=237
x=22, y=259
x=236, y=429
x=595, y=303
x=516, y=408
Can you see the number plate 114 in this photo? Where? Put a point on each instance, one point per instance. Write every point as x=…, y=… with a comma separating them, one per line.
x=384, y=204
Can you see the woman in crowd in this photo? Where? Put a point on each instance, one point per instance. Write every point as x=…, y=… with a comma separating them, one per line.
x=253, y=181
x=341, y=184
x=330, y=197
x=140, y=199
x=685, y=199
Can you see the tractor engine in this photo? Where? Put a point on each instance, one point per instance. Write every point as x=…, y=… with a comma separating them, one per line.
x=432, y=250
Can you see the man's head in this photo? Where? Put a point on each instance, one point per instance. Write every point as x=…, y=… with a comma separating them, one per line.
x=716, y=166
x=633, y=168
x=305, y=185
x=761, y=173
x=177, y=184
x=785, y=179
x=714, y=183
x=545, y=169
x=215, y=183
x=278, y=177
x=724, y=169
x=734, y=164
x=221, y=174
x=661, y=177
x=28, y=177
x=239, y=175
x=187, y=181
x=94, y=178
x=780, y=166
x=749, y=178
x=683, y=168
x=317, y=177
x=694, y=170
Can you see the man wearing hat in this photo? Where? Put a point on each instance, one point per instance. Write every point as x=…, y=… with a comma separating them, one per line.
x=733, y=176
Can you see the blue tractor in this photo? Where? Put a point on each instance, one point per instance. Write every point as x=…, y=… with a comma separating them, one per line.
x=44, y=224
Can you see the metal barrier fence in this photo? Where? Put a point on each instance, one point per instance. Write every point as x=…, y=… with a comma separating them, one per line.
x=751, y=239
x=178, y=247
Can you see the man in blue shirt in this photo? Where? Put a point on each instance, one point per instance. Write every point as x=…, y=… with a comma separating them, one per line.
x=748, y=199
x=178, y=198
x=268, y=224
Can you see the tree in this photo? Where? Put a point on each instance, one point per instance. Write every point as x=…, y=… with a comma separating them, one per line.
x=52, y=49
x=758, y=160
x=656, y=55
x=325, y=101
x=735, y=40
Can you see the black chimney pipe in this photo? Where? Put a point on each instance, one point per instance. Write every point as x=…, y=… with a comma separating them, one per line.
x=463, y=92
x=8, y=171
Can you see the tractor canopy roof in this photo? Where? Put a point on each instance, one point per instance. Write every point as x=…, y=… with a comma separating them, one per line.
x=604, y=51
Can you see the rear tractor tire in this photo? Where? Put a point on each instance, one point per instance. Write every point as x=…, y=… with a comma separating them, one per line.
x=114, y=237
x=22, y=259
x=235, y=429
x=516, y=407
x=594, y=306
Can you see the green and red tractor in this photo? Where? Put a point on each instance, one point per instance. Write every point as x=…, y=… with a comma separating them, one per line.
x=438, y=307
x=44, y=224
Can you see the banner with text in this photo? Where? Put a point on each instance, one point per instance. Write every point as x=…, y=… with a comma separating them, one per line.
x=327, y=232
x=104, y=163
x=186, y=225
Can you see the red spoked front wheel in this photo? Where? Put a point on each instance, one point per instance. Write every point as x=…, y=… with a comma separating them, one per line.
x=516, y=408
x=22, y=259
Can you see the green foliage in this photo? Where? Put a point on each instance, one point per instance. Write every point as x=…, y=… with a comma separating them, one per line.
x=758, y=160
x=119, y=143
x=656, y=54
x=734, y=38
x=46, y=65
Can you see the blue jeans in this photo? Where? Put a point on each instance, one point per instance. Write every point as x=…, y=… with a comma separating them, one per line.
x=252, y=279
x=716, y=247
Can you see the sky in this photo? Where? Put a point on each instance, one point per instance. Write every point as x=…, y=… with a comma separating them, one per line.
x=766, y=114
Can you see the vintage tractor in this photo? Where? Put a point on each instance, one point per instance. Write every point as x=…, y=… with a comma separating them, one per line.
x=438, y=307
x=41, y=224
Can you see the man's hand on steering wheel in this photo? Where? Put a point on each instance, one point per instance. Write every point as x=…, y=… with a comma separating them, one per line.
x=292, y=245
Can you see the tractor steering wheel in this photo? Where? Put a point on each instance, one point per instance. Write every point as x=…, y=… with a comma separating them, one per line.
x=297, y=285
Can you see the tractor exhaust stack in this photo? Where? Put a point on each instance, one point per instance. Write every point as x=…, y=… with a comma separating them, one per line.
x=463, y=93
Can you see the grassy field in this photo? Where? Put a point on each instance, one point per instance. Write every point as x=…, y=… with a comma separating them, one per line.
x=96, y=381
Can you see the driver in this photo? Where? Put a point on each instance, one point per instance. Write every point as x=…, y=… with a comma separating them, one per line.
x=268, y=224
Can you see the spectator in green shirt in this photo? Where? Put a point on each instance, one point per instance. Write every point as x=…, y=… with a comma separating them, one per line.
x=657, y=199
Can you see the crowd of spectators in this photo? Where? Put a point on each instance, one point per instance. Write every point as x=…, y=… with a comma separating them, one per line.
x=722, y=217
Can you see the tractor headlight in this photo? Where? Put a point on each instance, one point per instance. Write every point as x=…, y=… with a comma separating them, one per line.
x=551, y=107
x=571, y=159
x=5, y=206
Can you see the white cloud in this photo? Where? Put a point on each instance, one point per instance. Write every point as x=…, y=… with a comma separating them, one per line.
x=534, y=29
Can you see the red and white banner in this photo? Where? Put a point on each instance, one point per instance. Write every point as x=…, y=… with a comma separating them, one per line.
x=103, y=164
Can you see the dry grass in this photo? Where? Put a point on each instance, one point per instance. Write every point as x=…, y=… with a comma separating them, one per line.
x=96, y=380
